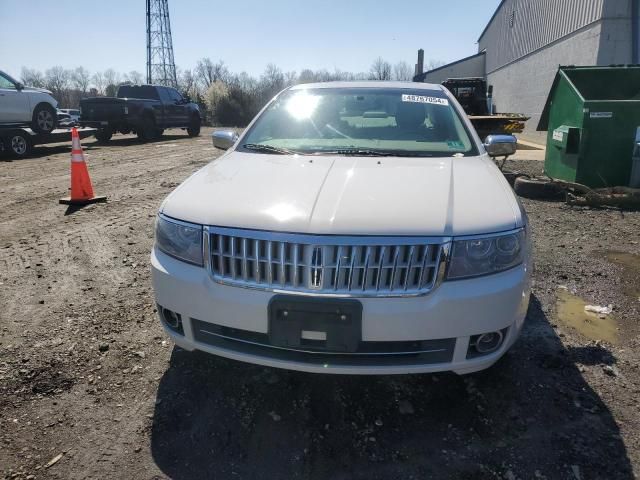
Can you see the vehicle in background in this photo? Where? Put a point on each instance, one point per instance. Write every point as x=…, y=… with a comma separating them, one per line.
x=73, y=113
x=26, y=106
x=353, y=228
x=476, y=98
x=64, y=119
x=18, y=142
x=145, y=110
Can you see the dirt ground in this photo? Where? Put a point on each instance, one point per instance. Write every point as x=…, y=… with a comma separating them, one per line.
x=91, y=388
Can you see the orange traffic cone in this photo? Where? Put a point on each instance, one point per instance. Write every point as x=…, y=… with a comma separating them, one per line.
x=81, y=188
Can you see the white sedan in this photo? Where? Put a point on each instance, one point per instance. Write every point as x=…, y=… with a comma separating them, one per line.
x=28, y=106
x=353, y=228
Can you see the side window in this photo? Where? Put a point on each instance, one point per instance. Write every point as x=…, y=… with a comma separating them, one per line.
x=175, y=96
x=6, y=83
x=164, y=95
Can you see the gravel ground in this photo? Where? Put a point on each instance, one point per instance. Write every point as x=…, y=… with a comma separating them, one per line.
x=90, y=387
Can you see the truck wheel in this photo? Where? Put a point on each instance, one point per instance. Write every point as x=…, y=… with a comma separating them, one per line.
x=44, y=118
x=147, y=129
x=19, y=144
x=194, y=126
x=103, y=135
x=538, y=189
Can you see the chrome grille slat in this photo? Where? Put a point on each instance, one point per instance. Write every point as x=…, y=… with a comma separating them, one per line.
x=222, y=256
x=427, y=253
x=383, y=252
x=354, y=252
x=232, y=262
x=245, y=263
x=283, y=272
x=256, y=263
x=296, y=253
x=394, y=268
x=337, y=274
x=269, y=263
x=365, y=274
x=324, y=265
x=408, y=272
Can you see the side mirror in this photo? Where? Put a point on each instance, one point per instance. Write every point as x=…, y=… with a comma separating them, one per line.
x=500, y=145
x=19, y=86
x=224, y=139
x=186, y=98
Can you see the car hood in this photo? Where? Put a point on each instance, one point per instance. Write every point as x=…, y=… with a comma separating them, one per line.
x=348, y=195
x=39, y=90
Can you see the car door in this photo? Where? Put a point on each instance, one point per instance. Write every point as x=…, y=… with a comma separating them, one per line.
x=14, y=103
x=181, y=109
x=167, y=106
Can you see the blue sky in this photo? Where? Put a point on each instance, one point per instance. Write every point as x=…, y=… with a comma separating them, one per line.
x=245, y=34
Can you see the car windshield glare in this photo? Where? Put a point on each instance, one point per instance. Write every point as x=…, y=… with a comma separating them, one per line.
x=403, y=122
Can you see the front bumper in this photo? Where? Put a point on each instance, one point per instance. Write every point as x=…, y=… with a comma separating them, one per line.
x=447, y=317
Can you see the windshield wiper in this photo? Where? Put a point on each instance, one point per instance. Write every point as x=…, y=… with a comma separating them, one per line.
x=364, y=152
x=259, y=147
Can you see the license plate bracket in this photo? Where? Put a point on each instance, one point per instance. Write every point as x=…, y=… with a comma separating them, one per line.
x=325, y=325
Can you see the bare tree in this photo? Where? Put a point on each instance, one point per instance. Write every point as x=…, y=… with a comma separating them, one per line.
x=208, y=72
x=246, y=82
x=57, y=79
x=111, y=77
x=433, y=64
x=380, y=70
x=290, y=78
x=80, y=78
x=99, y=82
x=271, y=81
x=402, y=72
x=32, y=77
x=307, y=76
x=135, y=77
x=187, y=83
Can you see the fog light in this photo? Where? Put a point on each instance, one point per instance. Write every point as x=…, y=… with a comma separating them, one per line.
x=485, y=343
x=172, y=319
x=488, y=342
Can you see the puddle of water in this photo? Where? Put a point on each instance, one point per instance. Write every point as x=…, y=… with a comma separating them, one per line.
x=630, y=264
x=570, y=311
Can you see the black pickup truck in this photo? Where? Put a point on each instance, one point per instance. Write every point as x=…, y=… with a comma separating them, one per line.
x=145, y=110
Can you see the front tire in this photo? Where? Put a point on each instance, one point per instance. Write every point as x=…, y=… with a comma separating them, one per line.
x=44, y=118
x=194, y=126
x=19, y=145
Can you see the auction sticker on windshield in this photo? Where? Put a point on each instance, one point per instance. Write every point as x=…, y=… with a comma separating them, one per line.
x=421, y=99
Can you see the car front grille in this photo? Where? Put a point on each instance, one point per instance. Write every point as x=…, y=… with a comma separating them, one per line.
x=326, y=264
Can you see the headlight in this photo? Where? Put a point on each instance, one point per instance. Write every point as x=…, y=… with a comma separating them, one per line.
x=179, y=239
x=482, y=256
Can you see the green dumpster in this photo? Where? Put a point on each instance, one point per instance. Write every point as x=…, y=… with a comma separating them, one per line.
x=591, y=116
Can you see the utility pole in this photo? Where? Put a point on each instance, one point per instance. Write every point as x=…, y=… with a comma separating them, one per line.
x=161, y=68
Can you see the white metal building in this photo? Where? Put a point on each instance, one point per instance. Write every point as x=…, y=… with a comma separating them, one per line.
x=525, y=41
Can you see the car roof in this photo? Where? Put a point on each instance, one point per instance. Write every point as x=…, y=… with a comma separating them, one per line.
x=370, y=84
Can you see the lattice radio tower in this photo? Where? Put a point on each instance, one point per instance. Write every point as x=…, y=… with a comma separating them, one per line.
x=161, y=69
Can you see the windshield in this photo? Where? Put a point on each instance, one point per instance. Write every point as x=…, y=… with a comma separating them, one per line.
x=402, y=122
